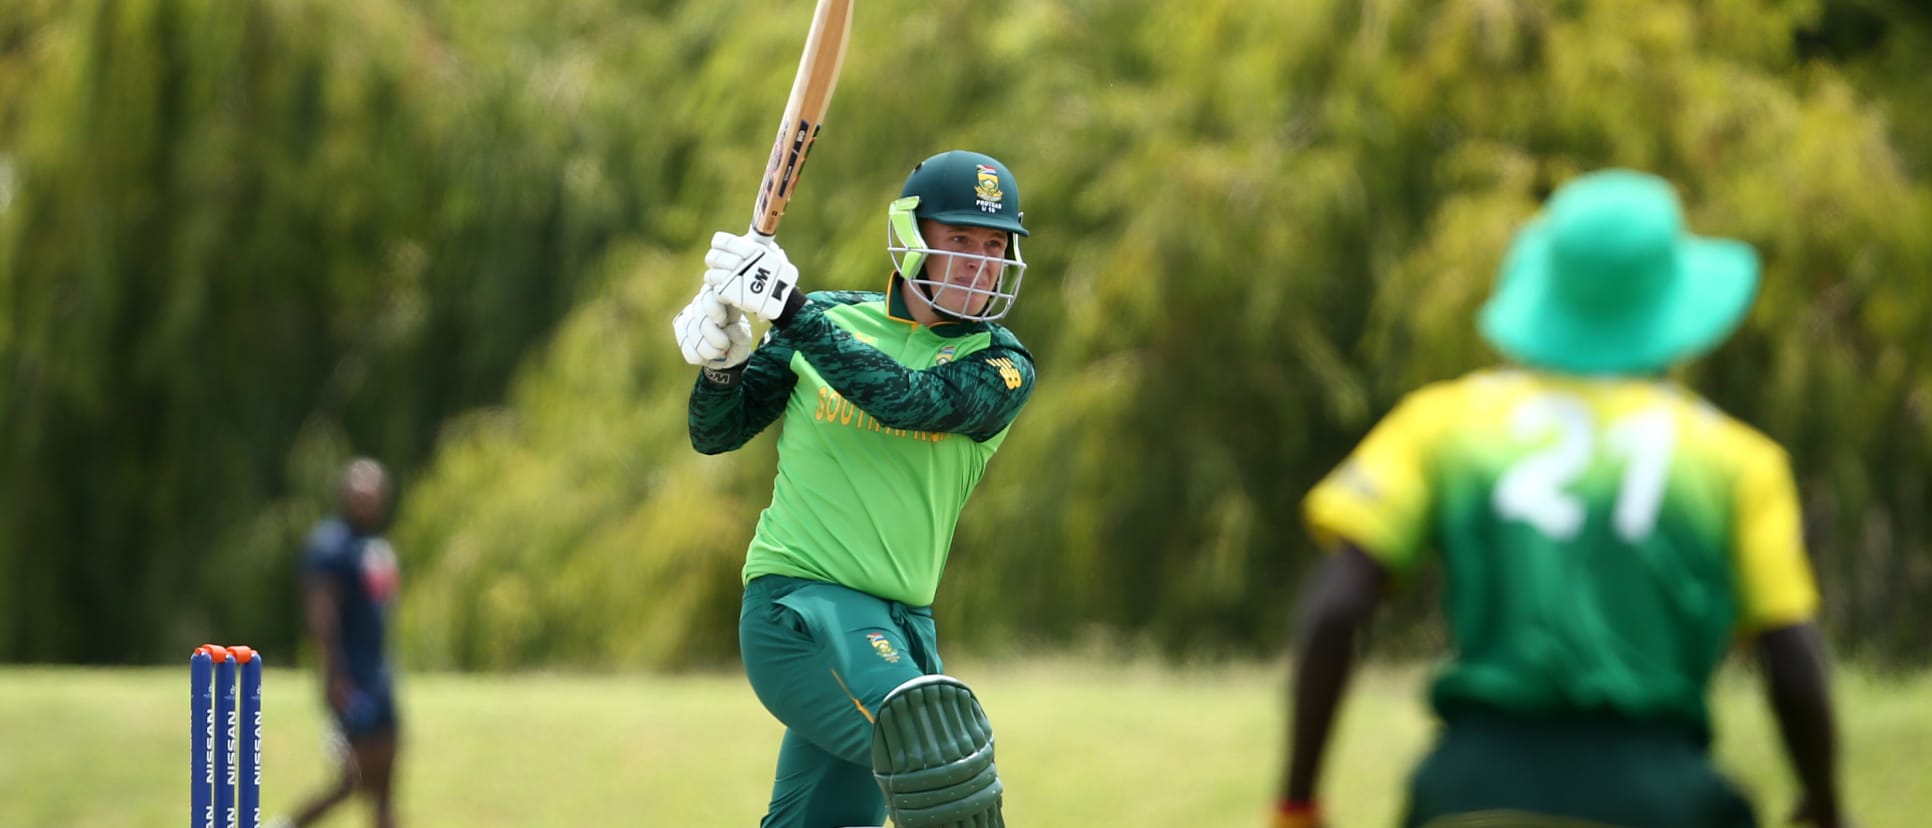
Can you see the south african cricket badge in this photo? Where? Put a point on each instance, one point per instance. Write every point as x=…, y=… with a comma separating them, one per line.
x=883, y=647
x=987, y=190
x=945, y=355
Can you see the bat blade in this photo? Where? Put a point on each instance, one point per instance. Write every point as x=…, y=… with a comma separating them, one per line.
x=818, y=73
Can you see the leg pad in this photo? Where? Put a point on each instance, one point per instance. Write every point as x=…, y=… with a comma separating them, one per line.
x=932, y=754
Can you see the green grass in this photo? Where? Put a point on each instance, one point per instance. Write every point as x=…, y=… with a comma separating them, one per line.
x=1081, y=744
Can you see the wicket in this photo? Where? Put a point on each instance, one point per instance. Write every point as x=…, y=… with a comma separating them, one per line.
x=225, y=783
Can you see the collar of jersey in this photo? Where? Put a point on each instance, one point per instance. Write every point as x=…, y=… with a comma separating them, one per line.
x=897, y=310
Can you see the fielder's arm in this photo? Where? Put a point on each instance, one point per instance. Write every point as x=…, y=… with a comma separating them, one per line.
x=1335, y=608
x=1778, y=598
x=977, y=395
x=730, y=407
x=319, y=608
x=1794, y=670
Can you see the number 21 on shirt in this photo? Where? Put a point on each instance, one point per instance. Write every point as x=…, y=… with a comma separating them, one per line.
x=1539, y=489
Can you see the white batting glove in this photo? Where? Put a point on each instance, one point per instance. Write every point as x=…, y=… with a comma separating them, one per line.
x=711, y=335
x=750, y=273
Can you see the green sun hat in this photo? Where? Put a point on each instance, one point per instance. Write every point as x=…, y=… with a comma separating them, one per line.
x=966, y=188
x=1606, y=280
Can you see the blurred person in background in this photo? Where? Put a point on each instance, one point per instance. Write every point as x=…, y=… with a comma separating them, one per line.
x=893, y=402
x=349, y=584
x=1606, y=536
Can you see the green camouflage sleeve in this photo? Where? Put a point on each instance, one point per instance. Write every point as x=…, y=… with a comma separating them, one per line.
x=723, y=417
x=977, y=395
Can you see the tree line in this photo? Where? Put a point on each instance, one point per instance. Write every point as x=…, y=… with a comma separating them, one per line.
x=240, y=242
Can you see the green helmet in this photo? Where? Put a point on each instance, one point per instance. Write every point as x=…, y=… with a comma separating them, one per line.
x=959, y=188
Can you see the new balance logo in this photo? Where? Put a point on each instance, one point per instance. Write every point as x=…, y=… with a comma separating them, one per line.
x=1009, y=373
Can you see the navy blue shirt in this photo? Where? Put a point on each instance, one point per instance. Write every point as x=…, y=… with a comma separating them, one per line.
x=363, y=570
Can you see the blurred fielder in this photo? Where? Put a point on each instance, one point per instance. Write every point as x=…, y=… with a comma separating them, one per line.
x=349, y=583
x=892, y=405
x=1605, y=535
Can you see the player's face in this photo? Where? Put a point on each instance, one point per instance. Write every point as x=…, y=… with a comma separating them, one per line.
x=365, y=495
x=966, y=262
x=364, y=509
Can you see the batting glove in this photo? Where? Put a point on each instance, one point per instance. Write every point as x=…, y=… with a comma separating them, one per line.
x=751, y=273
x=711, y=335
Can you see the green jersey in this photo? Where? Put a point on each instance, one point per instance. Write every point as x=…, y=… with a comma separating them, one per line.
x=888, y=426
x=1602, y=539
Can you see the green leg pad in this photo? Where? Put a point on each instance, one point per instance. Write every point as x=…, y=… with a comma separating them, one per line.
x=932, y=752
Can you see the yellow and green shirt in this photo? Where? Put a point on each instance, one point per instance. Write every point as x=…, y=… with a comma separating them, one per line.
x=1602, y=540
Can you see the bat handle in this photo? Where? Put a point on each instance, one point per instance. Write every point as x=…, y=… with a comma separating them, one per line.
x=767, y=239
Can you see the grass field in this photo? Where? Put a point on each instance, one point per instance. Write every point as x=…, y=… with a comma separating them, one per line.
x=1081, y=744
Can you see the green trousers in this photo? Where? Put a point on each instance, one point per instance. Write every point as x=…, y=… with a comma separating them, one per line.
x=821, y=657
x=1494, y=770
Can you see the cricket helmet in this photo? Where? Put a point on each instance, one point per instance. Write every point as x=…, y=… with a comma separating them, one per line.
x=958, y=188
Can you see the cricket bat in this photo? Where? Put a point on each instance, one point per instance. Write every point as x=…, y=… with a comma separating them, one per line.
x=818, y=72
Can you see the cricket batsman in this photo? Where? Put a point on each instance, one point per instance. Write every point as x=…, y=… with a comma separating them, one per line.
x=893, y=402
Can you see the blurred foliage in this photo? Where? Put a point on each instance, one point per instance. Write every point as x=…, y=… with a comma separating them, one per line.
x=248, y=239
